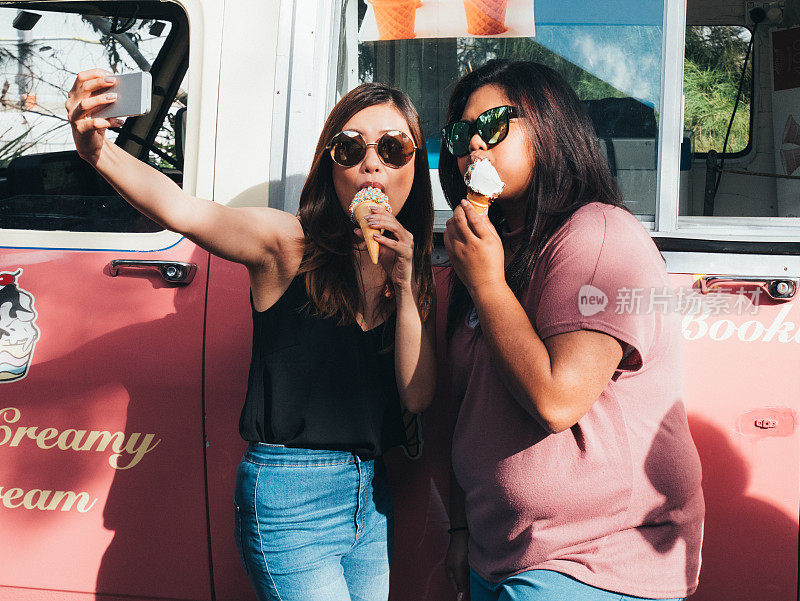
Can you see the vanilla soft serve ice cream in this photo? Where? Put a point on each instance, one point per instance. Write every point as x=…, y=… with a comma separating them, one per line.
x=483, y=184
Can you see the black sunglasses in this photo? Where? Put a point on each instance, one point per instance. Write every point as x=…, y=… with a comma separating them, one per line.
x=394, y=148
x=491, y=126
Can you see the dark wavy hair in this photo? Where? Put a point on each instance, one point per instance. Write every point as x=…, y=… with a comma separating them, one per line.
x=329, y=264
x=569, y=169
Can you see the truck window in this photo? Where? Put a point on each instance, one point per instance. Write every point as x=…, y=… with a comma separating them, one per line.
x=714, y=66
x=612, y=58
x=756, y=175
x=44, y=185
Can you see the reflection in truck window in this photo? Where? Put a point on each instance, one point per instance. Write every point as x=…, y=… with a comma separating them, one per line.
x=44, y=185
x=613, y=63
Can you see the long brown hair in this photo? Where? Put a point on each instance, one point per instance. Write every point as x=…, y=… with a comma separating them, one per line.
x=569, y=170
x=329, y=265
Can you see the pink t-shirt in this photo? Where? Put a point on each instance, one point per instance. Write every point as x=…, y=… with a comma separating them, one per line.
x=615, y=501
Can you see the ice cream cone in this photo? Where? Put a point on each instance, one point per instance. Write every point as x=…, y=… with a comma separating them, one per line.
x=366, y=198
x=483, y=184
x=360, y=213
x=485, y=17
x=395, y=18
x=478, y=202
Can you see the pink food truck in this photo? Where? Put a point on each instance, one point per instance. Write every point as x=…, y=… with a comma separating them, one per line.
x=124, y=347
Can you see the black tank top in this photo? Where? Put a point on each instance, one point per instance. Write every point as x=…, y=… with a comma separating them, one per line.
x=318, y=385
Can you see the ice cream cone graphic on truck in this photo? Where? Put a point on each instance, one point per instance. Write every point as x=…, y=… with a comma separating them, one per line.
x=395, y=18
x=485, y=17
x=18, y=331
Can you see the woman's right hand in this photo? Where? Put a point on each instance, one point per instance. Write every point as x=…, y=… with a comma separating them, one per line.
x=89, y=92
x=456, y=563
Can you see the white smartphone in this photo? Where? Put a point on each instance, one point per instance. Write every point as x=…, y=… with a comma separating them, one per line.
x=133, y=96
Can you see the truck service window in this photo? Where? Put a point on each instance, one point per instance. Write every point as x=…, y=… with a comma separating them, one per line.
x=757, y=172
x=713, y=68
x=611, y=55
x=44, y=185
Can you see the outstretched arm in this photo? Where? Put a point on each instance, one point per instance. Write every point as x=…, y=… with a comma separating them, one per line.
x=252, y=236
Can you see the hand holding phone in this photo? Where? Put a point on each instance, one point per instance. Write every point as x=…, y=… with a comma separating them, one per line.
x=133, y=96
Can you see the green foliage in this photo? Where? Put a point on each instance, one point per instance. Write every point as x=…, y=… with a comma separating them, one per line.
x=721, y=49
x=713, y=64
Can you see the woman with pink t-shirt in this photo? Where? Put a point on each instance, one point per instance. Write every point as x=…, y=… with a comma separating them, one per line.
x=580, y=479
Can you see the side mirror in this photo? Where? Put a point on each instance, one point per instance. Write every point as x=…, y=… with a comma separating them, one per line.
x=24, y=21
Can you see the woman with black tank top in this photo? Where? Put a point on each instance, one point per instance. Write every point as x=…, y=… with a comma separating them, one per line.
x=340, y=345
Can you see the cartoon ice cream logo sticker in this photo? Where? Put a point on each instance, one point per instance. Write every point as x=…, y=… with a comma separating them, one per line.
x=18, y=331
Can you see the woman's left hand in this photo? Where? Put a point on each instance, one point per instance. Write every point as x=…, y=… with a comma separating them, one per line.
x=396, y=249
x=474, y=248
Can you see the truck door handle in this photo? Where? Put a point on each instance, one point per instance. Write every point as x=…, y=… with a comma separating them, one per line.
x=174, y=272
x=781, y=289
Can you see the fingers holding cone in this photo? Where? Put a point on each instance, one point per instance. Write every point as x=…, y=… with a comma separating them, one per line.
x=361, y=208
x=360, y=213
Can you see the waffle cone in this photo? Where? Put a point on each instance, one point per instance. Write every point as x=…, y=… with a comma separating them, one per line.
x=395, y=18
x=478, y=202
x=360, y=213
x=485, y=17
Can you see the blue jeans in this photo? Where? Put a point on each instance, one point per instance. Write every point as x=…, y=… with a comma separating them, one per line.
x=313, y=525
x=541, y=585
